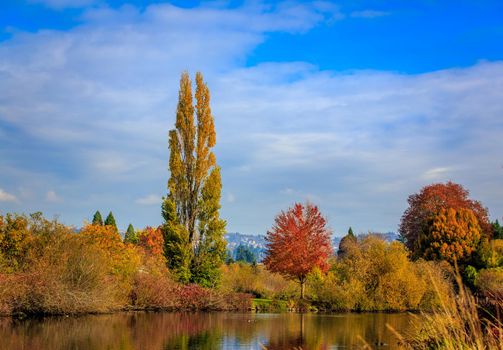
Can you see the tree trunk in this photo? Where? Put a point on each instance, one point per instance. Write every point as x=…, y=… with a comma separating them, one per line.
x=302, y=288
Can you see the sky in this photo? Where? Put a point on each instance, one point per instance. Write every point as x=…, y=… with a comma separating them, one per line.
x=352, y=105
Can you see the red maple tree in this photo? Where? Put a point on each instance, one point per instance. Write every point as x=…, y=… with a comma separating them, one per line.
x=298, y=242
x=428, y=203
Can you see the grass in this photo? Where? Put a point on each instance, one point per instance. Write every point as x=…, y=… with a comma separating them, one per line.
x=270, y=305
x=460, y=324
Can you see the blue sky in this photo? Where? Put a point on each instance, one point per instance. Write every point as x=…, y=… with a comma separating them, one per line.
x=353, y=105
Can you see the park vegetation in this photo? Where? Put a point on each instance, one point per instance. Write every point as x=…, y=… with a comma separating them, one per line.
x=193, y=232
x=298, y=243
x=48, y=268
x=448, y=260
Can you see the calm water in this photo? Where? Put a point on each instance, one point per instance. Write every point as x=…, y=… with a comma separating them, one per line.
x=204, y=331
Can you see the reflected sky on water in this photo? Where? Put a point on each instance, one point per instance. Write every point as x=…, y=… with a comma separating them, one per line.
x=183, y=331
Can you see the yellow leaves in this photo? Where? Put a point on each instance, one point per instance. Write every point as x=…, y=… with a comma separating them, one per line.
x=376, y=275
x=191, y=159
x=123, y=258
x=194, y=185
x=15, y=240
x=490, y=282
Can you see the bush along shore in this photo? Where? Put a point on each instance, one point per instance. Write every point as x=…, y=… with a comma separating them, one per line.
x=48, y=268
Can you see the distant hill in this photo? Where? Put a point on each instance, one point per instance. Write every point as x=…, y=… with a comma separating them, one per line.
x=257, y=243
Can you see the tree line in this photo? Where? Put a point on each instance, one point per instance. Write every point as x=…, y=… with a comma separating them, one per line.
x=442, y=224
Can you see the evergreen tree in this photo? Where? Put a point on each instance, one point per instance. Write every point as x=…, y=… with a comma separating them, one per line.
x=130, y=236
x=193, y=231
x=97, y=219
x=110, y=220
x=346, y=242
x=243, y=253
x=497, y=230
x=228, y=258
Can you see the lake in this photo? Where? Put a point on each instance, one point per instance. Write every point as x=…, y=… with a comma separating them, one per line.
x=163, y=330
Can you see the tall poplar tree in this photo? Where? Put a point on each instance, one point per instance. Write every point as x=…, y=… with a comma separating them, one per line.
x=193, y=230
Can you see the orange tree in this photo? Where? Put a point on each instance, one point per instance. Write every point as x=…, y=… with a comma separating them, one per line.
x=123, y=259
x=428, y=202
x=151, y=240
x=298, y=242
x=452, y=235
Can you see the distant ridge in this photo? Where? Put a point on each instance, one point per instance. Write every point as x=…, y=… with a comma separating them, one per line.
x=257, y=243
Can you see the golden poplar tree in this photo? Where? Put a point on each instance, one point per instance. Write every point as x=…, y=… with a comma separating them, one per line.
x=193, y=231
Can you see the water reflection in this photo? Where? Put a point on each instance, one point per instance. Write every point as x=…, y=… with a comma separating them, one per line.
x=204, y=331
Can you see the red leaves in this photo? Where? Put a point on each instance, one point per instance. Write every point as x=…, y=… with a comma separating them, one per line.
x=298, y=242
x=429, y=201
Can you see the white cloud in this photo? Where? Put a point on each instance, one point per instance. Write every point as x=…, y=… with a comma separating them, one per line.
x=151, y=199
x=7, y=197
x=60, y=4
x=231, y=198
x=362, y=141
x=52, y=197
x=288, y=191
x=436, y=173
x=368, y=14
x=103, y=97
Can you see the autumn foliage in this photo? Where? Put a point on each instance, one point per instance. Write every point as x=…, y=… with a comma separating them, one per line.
x=452, y=235
x=428, y=202
x=375, y=275
x=152, y=241
x=298, y=242
x=49, y=268
x=193, y=230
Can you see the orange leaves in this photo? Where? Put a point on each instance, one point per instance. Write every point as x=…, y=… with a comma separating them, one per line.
x=151, y=240
x=429, y=201
x=452, y=235
x=106, y=237
x=298, y=242
x=123, y=258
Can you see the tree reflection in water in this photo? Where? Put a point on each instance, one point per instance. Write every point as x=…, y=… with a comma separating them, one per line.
x=162, y=331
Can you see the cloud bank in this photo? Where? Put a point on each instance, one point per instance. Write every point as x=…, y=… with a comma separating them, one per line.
x=85, y=114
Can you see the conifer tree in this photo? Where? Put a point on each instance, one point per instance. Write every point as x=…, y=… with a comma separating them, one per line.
x=130, y=236
x=346, y=242
x=497, y=230
x=193, y=230
x=110, y=220
x=244, y=254
x=97, y=219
